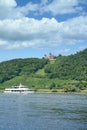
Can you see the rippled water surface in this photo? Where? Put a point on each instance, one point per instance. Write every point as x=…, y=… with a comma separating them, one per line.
x=43, y=112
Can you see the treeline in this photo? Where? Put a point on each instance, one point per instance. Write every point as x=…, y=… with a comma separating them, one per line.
x=69, y=67
x=73, y=67
x=16, y=67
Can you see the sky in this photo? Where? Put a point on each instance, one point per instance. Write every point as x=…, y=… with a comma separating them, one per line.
x=32, y=28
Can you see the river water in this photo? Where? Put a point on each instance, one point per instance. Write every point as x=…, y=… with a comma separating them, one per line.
x=43, y=112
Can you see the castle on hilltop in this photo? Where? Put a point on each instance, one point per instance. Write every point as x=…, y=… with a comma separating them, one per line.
x=50, y=56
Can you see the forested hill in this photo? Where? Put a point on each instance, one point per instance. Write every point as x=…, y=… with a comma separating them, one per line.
x=69, y=67
x=18, y=67
x=64, y=67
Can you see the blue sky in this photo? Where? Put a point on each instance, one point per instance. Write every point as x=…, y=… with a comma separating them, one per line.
x=32, y=28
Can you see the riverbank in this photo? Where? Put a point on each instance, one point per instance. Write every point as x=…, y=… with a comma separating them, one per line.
x=59, y=91
x=56, y=91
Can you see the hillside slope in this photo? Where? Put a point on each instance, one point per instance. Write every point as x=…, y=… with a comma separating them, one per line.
x=69, y=67
x=17, y=67
x=72, y=67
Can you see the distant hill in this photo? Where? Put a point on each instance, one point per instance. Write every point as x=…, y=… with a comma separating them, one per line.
x=16, y=67
x=69, y=67
x=72, y=67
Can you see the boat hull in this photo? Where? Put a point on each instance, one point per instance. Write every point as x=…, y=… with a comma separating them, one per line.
x=19, y=92
x=18, y=89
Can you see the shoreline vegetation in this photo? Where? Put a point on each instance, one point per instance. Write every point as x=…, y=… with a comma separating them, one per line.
x=63, y=74
x=57, y=91
x=46, y=85
x=60, y=91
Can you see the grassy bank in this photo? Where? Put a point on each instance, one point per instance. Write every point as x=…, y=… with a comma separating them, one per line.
x=37, y=83
x=56, y=91
x=46, y=85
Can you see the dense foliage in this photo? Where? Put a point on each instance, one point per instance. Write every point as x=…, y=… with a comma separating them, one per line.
x=47, y=73
x=69, y=67
x=16, y=67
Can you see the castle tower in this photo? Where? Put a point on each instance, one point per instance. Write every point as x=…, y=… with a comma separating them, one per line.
x=51, y=56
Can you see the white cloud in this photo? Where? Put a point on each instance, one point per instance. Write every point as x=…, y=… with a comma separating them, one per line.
x=6, y=8
x=63, y=7
x=8, y=3
x=18, y=31
x=27, y=32
x=44, y=2
x=3, y=43
x=9, y=8
x=75, y=28
x=28, y=8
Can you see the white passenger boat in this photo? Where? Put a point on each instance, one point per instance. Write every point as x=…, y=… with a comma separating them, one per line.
x=18, y=89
